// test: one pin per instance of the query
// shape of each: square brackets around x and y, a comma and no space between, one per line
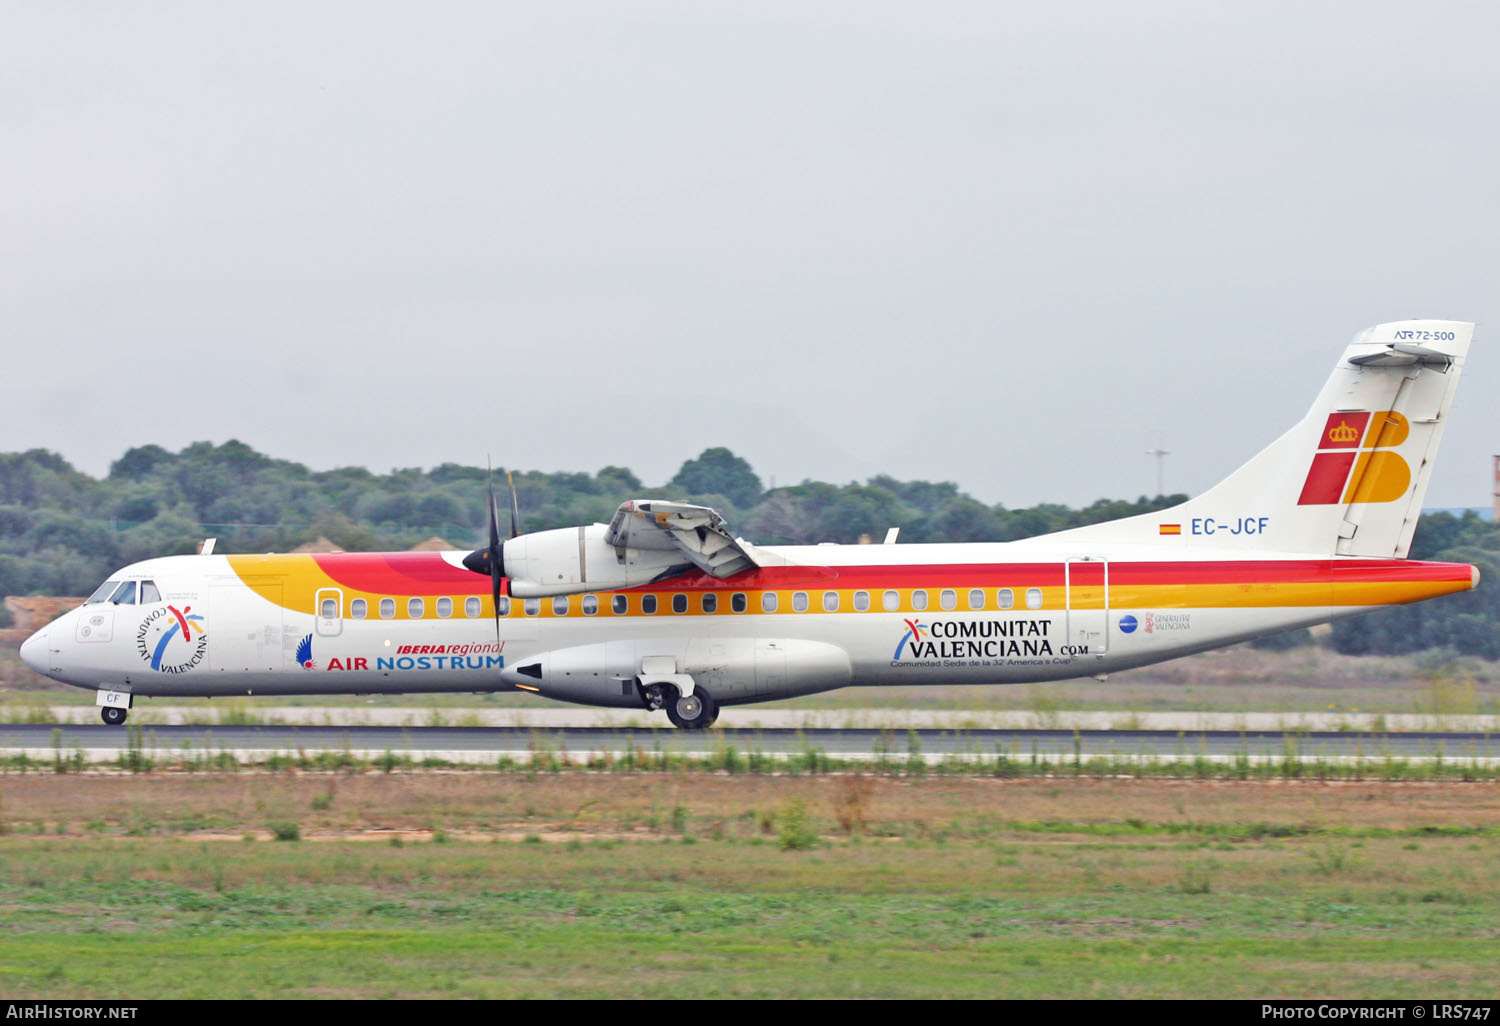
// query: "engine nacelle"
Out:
[568,560]
[732,670]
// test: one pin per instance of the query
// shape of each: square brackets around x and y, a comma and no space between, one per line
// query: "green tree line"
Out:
[63,531]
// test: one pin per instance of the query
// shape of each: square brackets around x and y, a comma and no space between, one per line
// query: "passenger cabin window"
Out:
[359,608]
[738,603]
[328,609]
[890,601]
[590,605]
[648,604]
[1033,598]
[919,599]
[532,607]
[620,604]
[948,599]
[560,606]
[710,603]
[799,601]
[149,594]
[830,602]
[1005,598]
[445,607]
[472,606]
[415,608]
[861,601]
[768,602]
[976,598]
[387,608]
[679,603]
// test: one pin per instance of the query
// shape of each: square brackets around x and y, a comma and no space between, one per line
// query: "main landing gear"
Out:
[112,715]
[693,712]
[696,711]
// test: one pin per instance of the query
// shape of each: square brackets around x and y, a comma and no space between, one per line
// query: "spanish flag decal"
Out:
[1170,529]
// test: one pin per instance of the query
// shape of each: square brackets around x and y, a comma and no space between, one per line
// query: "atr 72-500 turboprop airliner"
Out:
[662,608]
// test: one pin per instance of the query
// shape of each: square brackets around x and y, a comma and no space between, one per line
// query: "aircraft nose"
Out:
[34,652]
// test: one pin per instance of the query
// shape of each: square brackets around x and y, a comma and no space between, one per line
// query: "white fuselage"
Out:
[865,615]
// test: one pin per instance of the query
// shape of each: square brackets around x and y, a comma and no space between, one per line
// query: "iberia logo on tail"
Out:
[1353,465]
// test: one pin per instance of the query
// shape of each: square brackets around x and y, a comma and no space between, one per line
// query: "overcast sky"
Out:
[1008,245]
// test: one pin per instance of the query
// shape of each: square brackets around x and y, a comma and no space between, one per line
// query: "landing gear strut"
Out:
[112,715]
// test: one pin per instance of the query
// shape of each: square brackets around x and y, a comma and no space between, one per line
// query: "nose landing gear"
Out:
[113,705]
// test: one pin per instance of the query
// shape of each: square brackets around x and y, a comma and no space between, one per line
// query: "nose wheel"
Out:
[112,715]
[693,712]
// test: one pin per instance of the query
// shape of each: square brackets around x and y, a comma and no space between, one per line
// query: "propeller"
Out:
[491,559]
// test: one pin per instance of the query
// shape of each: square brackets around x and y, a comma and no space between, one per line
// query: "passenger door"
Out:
[1086,585]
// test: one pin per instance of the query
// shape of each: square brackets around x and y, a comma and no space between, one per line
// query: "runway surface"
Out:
[483,744]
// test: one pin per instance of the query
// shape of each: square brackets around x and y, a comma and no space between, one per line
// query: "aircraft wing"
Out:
[696,532]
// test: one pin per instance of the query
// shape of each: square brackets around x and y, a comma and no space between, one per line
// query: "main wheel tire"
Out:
[693,712]
[112,715]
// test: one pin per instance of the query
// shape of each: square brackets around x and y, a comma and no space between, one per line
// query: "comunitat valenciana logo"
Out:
[914,629]
[974,639]
[172,640]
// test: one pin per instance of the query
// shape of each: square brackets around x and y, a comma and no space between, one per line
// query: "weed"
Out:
[1196,877]
[852,804]
[796,833]
[132,757]
[1329,860]
[916,766]
[727,759]
[765,821]
[238,714]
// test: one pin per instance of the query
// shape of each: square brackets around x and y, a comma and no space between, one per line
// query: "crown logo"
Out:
[1343,433]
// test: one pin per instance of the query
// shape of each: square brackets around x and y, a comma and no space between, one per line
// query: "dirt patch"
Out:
[567,806]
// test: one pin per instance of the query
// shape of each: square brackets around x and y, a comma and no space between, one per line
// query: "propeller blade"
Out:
[494,515]
[515,507]
[496,559]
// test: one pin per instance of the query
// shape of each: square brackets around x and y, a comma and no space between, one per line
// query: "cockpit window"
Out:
[149,593]
[103,592]
[124,595]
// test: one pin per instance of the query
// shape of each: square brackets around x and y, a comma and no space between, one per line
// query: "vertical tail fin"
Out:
[1349,478]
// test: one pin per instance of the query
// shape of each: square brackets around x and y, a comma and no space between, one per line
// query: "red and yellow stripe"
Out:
[293,582]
